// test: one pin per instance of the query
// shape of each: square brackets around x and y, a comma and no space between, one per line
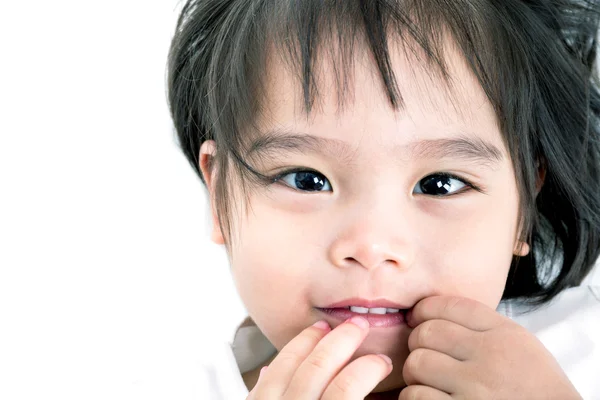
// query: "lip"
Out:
[336,316]
[356,301]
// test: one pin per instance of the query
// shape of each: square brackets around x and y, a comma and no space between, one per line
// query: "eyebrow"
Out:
[465,147]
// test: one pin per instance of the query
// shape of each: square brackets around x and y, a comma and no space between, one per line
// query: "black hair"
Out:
[534,59]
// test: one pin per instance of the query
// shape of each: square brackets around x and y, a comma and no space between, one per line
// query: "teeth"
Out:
[360,310]
[376,310]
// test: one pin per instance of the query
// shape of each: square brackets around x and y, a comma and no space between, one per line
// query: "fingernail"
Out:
[359,321]
[322,325]
[386,358]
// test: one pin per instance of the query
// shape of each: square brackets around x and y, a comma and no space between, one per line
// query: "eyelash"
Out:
[468,184]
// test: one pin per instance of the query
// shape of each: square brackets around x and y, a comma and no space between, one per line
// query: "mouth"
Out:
[376,318]
[380,313]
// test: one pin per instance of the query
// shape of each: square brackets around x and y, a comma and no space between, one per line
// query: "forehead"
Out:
[351,95]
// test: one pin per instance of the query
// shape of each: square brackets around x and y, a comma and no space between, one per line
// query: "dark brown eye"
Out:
[307,181]
[439,185]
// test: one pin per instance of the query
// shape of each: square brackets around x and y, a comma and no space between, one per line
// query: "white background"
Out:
[109,285]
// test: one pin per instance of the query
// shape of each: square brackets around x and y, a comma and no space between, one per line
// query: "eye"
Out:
[440,185]
[305,180]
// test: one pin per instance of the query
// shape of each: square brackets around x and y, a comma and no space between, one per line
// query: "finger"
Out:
[275,380]
[252,394]
[420,392]
[358,378]
[327,359]
[445,337]
[432,368]
[466,312]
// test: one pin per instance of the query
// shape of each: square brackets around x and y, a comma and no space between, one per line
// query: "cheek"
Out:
[471,255]
[270,267]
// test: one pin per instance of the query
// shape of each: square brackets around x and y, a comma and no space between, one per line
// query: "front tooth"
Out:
[360,310]
[393,310]
[375,310]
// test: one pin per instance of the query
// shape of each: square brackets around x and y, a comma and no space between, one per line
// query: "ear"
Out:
[521,249]
[208,151]
[541,175]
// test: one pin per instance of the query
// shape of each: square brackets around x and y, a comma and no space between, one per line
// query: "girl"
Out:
[408,192]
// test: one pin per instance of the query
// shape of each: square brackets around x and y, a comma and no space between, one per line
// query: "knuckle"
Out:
[289,358]
[319,360]
[478,341]
[417,358]
[424,333]
[344,384]
[313,335]
[452,303]
[298,350]
[412,365]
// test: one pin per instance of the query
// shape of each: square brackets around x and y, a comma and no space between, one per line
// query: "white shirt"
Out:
[569,327]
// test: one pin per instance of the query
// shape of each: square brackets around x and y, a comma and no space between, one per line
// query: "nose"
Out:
[376,236]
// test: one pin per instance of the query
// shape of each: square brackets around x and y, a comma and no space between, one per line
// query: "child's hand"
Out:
[308,367]
[462,349]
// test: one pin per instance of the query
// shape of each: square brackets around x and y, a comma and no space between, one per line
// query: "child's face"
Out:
[369,230]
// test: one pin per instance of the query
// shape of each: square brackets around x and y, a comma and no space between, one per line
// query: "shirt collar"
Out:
[250,346]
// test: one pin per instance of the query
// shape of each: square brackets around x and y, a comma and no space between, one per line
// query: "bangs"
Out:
[314,31]
[305,34]
[490,36]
